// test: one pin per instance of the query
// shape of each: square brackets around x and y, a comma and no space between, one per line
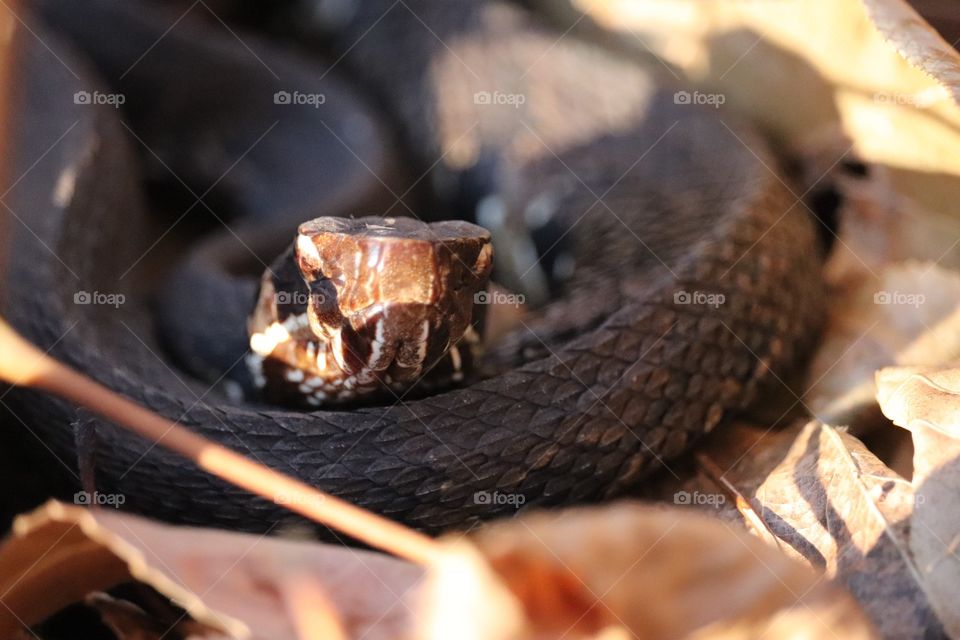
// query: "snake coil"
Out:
[686,276]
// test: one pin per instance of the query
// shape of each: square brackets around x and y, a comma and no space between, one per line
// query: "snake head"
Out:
[361,305]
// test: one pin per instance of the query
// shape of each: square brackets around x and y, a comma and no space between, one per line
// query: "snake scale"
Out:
[443,108]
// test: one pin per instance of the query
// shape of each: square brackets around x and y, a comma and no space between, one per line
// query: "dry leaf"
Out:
[660,573]
[613,572]
[927,403]
[910,315]
[831,502]
[233,582]
[879,222]
[808,70]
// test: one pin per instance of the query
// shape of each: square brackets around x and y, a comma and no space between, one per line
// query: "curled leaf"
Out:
[926,401]
[236,583]
[832,503]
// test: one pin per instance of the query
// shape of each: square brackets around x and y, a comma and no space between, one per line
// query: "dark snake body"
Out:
[659,201]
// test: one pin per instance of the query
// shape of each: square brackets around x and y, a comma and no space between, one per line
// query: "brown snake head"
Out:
[359,306]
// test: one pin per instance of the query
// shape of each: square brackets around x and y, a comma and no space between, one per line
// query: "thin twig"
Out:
[23,364]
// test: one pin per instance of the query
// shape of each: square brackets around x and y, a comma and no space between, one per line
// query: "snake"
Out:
[162,159]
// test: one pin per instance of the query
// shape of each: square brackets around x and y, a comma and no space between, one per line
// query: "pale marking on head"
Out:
[337,343]
[322,357]
[264,343]
[306,248]
[376,347]
[297,322]
[422,347]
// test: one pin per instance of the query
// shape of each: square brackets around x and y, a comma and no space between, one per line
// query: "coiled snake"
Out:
[681,273]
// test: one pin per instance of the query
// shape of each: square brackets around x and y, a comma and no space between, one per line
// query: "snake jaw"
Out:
[359,306]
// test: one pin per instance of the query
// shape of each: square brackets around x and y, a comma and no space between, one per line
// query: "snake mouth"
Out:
[358,308]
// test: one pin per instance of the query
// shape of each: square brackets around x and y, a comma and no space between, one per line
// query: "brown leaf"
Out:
[910,314]
[236,583]
[831,502]
[879,88]
[927,403]
[613,572]
[649,572]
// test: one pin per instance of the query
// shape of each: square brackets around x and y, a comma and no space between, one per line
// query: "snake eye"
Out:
[357,307]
